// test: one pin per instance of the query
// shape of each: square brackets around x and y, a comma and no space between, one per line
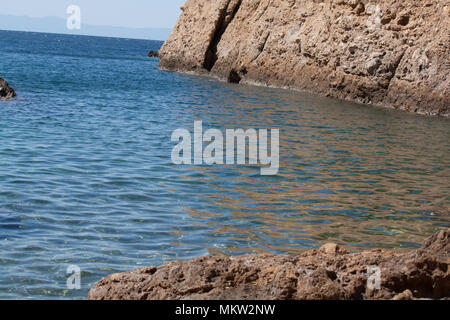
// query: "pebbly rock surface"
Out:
[330,272]
[6,92]
[385,52]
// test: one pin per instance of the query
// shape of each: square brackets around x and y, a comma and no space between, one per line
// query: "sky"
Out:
[117,13]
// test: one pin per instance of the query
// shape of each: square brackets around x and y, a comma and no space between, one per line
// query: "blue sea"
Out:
[86,176]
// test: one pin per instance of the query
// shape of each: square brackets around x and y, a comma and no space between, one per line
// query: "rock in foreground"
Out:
[386,52]
[6,92]
[327,273]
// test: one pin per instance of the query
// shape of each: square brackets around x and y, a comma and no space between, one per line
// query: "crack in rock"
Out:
[226,16]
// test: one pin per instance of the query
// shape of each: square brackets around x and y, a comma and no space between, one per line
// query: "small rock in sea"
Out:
[153,54]
[6,92]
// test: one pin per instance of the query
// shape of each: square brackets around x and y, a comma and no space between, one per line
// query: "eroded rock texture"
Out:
[385,52]
[6,92]
[327,273]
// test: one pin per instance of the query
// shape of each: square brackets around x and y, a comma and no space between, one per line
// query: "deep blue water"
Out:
[86,176]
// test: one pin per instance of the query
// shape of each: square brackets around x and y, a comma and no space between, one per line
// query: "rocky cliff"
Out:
[327,273]
[385,52]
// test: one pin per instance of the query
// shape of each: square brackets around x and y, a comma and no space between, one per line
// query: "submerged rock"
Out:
[330,272]
[387,52]
[6,92]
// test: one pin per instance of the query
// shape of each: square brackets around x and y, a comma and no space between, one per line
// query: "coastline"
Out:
[207,75]
[381,53]
[330,272]
[357,204]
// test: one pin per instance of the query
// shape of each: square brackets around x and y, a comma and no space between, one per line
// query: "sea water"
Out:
[86,177]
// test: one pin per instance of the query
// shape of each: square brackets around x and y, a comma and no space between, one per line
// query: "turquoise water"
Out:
[86,176]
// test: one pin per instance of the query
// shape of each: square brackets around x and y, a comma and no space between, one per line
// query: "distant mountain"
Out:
[58,25]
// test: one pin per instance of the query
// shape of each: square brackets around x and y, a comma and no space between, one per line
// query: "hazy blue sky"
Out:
[121,13]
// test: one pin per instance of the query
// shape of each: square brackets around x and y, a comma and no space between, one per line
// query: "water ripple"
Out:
[86,176]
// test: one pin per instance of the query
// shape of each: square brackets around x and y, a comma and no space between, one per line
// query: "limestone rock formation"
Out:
[327,273]
[6,92]
[385,52]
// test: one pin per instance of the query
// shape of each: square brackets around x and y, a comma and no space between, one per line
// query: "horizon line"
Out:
[82,35]
[87,24]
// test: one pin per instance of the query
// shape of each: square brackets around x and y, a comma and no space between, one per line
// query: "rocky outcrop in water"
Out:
[6,92]
[385,52]
[327,273]
[153,54]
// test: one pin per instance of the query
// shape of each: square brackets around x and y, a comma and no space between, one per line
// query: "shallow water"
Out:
[86,176]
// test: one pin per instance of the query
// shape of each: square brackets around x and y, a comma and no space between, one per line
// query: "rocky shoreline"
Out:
[330,272]
[382,52]
[6,92]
